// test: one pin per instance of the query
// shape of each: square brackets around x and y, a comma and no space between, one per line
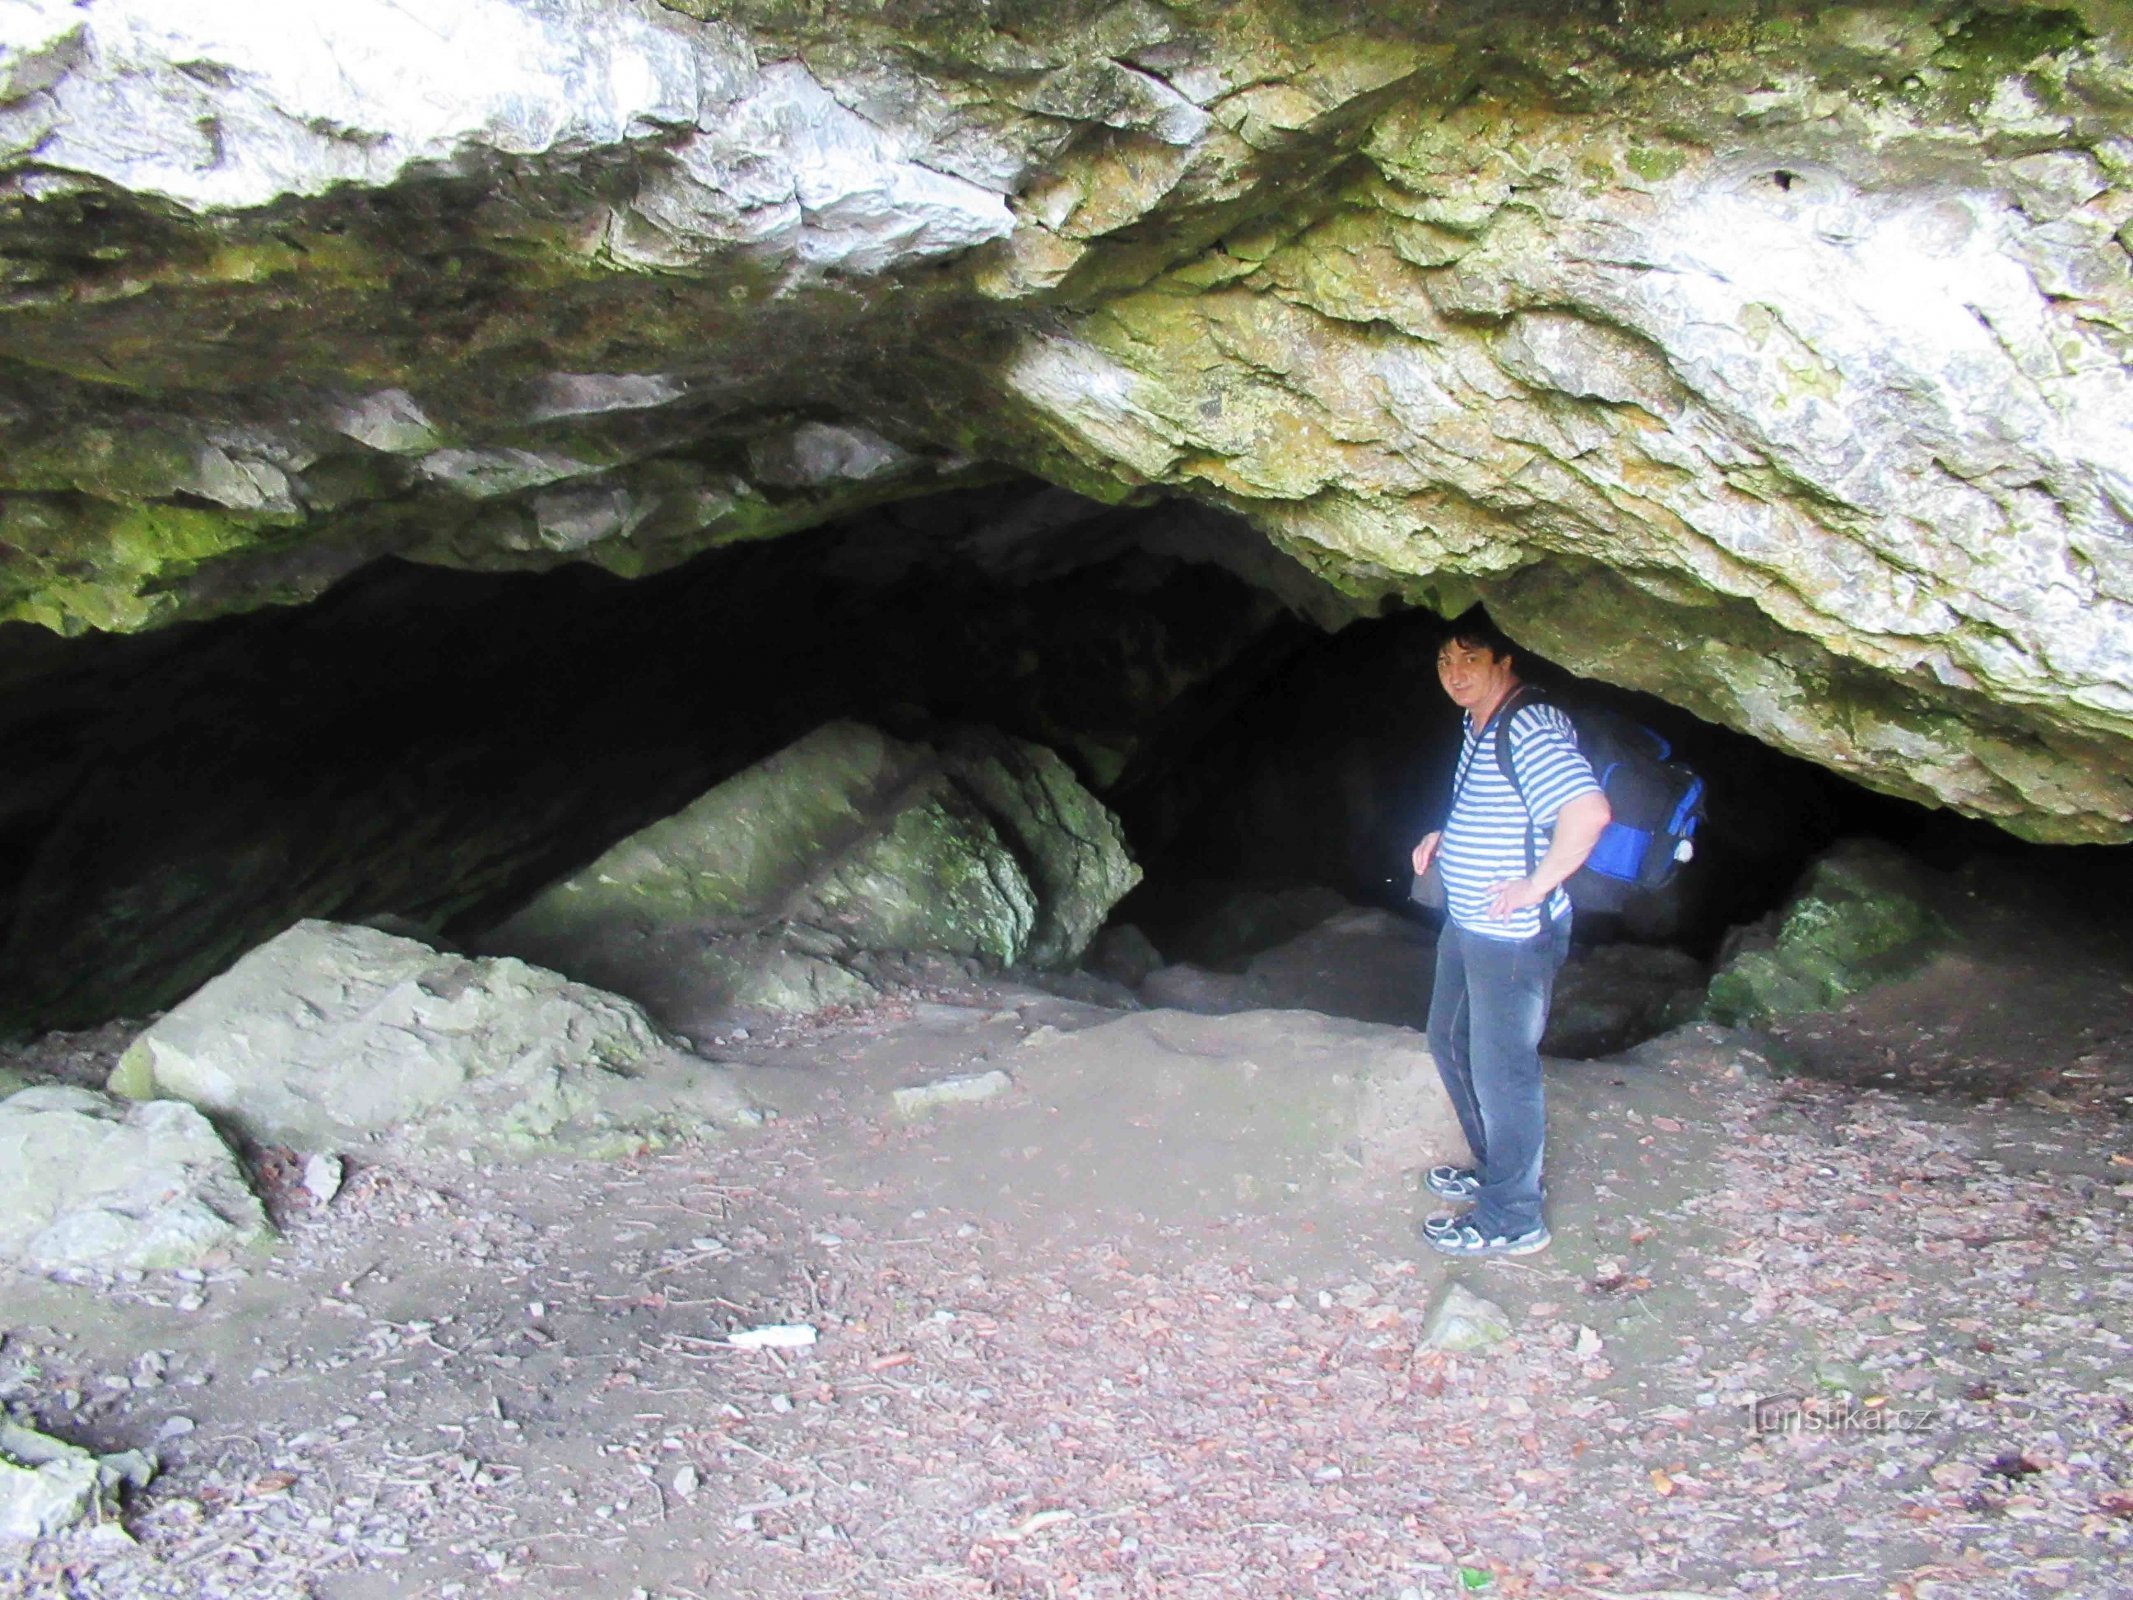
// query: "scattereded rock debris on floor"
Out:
[462,1378]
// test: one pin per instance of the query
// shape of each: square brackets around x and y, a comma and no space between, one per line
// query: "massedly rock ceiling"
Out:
[1769,358]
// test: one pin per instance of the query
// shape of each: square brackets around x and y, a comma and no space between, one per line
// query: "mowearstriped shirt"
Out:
[1484,840]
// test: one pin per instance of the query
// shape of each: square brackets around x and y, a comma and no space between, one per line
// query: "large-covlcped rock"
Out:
[329,1035]
[86,1181]
[48,1486]
[1862,915]
[779,888]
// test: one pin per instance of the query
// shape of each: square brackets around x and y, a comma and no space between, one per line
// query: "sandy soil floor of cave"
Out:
[1045,1372]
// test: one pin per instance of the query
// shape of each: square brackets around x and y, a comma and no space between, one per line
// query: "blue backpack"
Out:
[1657,803]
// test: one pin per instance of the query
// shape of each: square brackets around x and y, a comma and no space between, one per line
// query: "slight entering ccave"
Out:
[678,917]
[461,1192]
[431,746]
[424,749]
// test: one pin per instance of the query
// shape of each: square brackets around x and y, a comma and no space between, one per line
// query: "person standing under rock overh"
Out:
[1507,844]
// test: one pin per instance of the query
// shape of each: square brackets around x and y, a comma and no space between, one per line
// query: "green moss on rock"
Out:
[1068,845]
[771,888]
[73,564]
[1987,47]
[1862,916]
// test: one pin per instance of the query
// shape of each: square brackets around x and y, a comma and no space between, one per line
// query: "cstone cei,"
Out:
[1774,365]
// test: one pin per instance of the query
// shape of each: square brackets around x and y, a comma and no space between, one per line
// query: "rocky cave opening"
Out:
[425,748]
[904,543]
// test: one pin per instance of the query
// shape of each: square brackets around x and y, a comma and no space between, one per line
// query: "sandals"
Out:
[1458,1237]
[1453,1183]
[1453,1233]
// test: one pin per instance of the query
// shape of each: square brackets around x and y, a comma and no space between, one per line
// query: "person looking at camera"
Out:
[1507,844]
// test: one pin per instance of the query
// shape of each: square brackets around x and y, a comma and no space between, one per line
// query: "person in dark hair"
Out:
[1475,629]
[1503,853]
